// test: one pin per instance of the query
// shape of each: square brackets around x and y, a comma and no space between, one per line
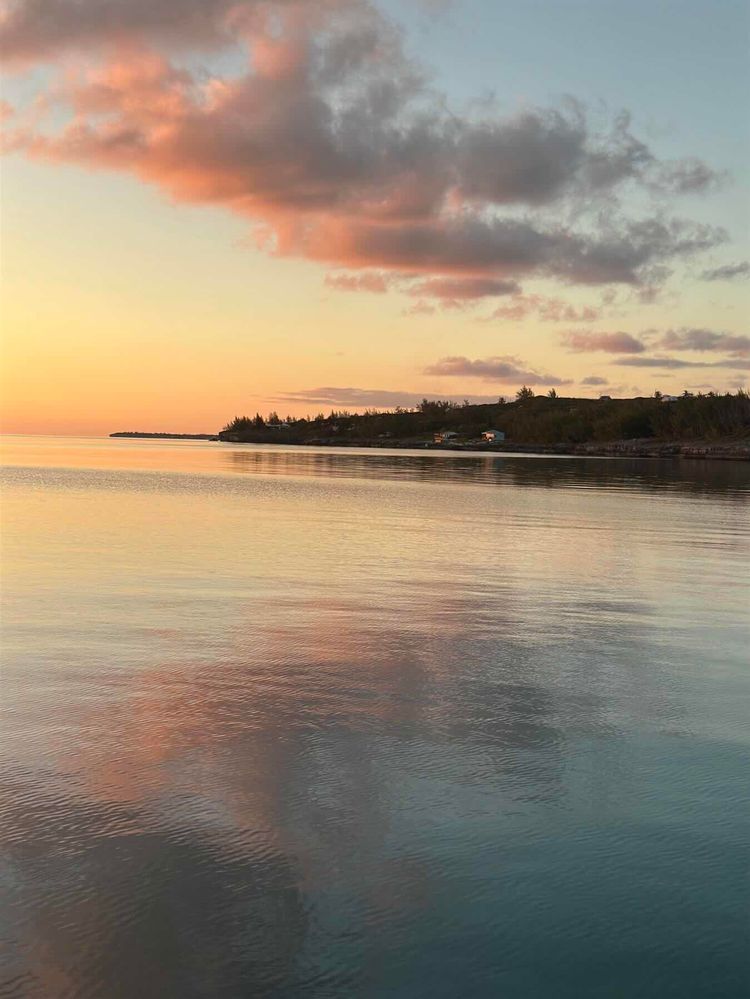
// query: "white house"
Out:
[493,436]
[444,436]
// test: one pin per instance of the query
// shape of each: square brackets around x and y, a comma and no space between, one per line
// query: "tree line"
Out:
[528,418]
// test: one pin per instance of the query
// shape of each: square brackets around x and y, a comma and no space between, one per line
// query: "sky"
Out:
[215,207]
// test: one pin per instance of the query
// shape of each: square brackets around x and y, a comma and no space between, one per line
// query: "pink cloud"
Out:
[334,148]
[41,30]
[507,370]
[373,282]
[612,343]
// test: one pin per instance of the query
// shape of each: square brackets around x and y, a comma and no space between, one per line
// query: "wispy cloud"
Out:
[667,363]
[420,308]
[506,370]
[554,310]
[594,380]
[727,272]
[463,288]
[369,281]
[688,176]
[364,398]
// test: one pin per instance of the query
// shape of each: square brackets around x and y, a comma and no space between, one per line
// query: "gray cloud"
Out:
[706,340]
[494,158]
[612,343]
[463,288]
[594,380]
[664,363]
[508,370]
[667,363]
[633,253]
[688,176]
[728,272]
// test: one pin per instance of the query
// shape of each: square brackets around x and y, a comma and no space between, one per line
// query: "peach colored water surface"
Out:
[327,722]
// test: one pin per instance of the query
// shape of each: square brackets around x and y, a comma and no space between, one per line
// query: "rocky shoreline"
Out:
[713,450]
[720,450]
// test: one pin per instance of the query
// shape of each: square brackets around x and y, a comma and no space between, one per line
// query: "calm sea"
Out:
[334,723]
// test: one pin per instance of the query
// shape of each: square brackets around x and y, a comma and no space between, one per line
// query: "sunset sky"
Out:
[213,207]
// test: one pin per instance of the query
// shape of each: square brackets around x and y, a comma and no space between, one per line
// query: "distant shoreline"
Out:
[162,436]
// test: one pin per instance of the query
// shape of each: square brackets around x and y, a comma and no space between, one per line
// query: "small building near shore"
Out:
[445,436]
[493,436]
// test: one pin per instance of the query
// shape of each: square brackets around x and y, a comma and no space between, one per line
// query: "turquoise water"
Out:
[310,722]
